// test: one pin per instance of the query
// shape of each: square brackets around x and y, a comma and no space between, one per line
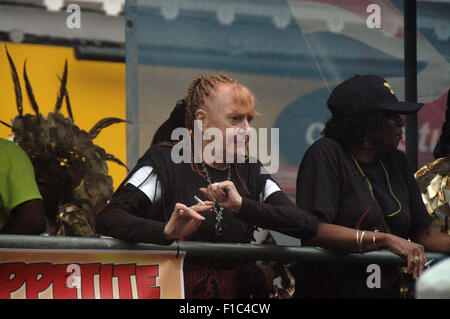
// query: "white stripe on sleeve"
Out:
[270,188]
[146,181]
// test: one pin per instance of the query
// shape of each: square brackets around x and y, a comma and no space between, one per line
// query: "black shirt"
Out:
[131,216]
[330,186]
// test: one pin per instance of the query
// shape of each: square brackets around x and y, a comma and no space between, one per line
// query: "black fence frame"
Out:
[254,252]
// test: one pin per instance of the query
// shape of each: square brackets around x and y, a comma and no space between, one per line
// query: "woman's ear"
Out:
[200,117]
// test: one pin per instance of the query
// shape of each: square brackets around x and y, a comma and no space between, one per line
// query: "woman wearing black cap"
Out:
[355,177]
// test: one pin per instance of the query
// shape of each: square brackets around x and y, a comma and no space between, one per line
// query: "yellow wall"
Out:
[96,90]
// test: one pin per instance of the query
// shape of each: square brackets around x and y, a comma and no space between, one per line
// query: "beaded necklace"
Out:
[369,186]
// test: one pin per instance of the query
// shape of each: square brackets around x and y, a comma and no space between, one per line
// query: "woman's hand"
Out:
[415,253]
[224,194]
[185,220]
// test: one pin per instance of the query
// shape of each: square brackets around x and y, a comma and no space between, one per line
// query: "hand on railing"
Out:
[413,252]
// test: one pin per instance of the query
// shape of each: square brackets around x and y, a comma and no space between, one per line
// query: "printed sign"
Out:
[90,274]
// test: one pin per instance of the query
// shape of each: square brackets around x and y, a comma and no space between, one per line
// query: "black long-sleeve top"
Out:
[141,207]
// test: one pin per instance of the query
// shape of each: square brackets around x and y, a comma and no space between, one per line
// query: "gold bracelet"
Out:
[375,238]
[357,240]
[362,235]
[374,242]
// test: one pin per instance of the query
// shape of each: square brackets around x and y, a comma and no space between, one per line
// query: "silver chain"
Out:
[217,212]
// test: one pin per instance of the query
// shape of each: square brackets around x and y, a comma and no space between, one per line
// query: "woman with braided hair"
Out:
[156,202]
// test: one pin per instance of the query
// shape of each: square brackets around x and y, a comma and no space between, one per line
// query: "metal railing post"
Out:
[410,55]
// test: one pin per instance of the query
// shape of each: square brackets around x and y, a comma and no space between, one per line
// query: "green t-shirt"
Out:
[17,181]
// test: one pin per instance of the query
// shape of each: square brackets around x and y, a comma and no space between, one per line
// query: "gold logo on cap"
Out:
[389,87]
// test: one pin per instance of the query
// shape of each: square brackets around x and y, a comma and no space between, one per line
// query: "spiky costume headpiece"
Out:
[69,167]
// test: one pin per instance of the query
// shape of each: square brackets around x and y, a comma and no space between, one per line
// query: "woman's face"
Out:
[390,137]
[221,112]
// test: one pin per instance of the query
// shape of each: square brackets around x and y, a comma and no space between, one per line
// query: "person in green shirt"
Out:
[21,208]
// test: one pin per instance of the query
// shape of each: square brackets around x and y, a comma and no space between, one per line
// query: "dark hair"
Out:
[358,128]
[176,119]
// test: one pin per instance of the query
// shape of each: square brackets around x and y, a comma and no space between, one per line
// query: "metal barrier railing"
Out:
[213,250]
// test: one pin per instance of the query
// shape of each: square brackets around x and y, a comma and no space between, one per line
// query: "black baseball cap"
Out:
[366,94]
